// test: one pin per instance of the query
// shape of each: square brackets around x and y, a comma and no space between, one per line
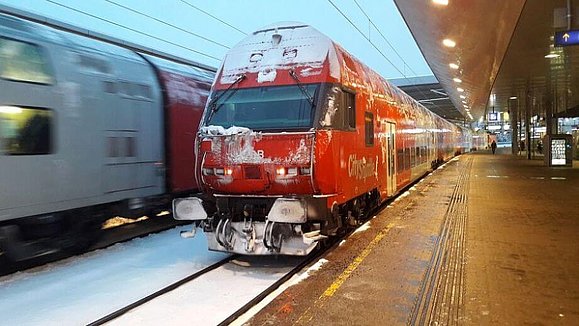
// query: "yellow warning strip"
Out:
[307,316]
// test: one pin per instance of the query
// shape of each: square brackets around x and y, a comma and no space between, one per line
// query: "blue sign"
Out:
[567,38]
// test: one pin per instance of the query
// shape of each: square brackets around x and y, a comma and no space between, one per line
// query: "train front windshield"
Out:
[264,108]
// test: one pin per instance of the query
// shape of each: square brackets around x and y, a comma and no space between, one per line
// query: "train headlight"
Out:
[288,210]
[208,171]
[219,171]
[283,171]
[189,209]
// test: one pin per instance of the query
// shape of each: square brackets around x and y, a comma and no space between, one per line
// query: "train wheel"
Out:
[83,230]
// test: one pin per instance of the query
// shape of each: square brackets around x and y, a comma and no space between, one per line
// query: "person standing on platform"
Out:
[494,146]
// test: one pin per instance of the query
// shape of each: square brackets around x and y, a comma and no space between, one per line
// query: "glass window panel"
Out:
[25,62]
[25,131]
[264,108]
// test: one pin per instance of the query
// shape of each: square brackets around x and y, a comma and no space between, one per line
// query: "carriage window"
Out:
[24,62]
[350,105]
[25,131]
[264,108]
[369,128]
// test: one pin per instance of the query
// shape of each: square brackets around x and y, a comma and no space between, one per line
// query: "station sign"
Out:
[493,116]
[566,38]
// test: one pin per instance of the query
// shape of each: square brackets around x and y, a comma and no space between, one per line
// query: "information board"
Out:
[558,152]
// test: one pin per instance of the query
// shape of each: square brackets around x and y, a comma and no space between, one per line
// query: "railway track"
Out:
[109,237]
[236,310]
[162,291]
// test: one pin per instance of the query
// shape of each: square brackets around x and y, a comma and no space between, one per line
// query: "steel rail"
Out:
[161,292]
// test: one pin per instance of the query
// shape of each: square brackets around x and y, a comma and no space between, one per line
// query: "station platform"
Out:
[484,240]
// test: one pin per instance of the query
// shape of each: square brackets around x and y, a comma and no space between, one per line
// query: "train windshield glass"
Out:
[264,108]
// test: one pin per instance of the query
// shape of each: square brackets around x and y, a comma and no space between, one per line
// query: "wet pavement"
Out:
[487,239]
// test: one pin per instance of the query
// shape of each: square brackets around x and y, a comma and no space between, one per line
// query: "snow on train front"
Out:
[256,145]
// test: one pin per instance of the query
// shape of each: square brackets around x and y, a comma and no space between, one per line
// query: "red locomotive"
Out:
[299,139]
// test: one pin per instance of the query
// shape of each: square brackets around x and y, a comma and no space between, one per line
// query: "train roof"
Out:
[314,57]
[183,69]
[299,46]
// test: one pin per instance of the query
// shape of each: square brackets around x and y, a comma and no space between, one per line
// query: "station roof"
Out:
[500,51]
[428,91]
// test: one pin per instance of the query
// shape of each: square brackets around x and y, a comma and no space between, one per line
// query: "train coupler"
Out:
[250,235]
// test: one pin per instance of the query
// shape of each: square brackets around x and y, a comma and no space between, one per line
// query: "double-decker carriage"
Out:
[299,140]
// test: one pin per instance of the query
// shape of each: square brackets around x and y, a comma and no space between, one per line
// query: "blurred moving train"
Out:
[300,139]
[88,130]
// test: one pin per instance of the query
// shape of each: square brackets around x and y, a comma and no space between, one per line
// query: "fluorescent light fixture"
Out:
[460,89]
[449,43]
[552,55]
[512,98]
[453,66]
[462,97]
[458,80]
[440,2]
[466,106]
[463,101]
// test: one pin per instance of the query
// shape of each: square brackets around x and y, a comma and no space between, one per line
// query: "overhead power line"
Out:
[366,37]
[133,30]
[212,16]
[375,47]
[165,23]
[384,37]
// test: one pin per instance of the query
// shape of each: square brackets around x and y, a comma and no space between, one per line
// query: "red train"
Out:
[300,139]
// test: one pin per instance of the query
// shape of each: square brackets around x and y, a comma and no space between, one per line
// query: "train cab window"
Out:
[369,128]
[25,62]
[350,105]
[25,131]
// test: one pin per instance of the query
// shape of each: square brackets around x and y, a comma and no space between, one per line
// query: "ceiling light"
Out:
[458,80]
[465,106]
[449,43]
[512,98]
[462,97]
[440,2]
[464,102]
[453,65]
[460,89]
[552,55]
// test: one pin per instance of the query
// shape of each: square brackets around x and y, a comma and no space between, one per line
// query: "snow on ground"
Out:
[292,281]
[213,297]
[363,227]
[82,289]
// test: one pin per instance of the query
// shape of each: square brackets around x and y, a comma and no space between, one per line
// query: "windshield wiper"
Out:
[213,103]
[302,88]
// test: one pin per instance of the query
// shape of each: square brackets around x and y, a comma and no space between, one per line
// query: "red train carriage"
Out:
[300,139]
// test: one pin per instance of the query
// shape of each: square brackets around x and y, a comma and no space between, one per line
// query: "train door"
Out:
[391,175]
